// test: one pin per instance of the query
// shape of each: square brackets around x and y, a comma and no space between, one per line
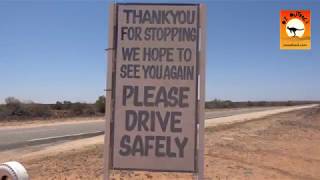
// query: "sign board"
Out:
[155,87]
[295,29]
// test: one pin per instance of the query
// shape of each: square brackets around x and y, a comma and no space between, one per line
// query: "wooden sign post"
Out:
[155,88]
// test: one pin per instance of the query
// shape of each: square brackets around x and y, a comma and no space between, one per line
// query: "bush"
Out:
[38,110]
[14,107]
[216,103]
[58,105]
[289,103]
[90,111]
[12,101]
[77,108]
[3,112]
[262,103]
[101,104]
[67,104]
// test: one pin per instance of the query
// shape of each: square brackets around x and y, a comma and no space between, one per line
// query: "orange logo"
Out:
[295,29]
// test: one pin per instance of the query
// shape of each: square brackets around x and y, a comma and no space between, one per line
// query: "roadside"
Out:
[282,146]
[25,136]
[212,113]
[42,122]
[12,123]
[253,115]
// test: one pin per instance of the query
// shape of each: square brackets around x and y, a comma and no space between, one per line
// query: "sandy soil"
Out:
[284,146]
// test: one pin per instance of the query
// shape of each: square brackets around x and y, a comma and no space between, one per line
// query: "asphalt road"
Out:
[13,138]
[21,137]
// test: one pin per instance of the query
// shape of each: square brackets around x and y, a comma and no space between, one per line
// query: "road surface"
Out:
[11,138]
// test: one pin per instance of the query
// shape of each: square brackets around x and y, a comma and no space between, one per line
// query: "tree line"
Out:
[16,109]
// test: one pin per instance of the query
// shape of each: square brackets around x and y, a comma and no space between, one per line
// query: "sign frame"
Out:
[199,87]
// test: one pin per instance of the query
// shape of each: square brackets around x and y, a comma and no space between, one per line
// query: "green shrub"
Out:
[101,104]
[58,105]
[38,110]
[67,104]
[14,107]
[216,103]
[77,108]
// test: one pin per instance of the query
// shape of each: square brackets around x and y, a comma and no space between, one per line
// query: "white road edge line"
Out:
[66,136]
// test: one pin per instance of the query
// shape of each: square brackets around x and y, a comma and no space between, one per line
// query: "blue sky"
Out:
[54,50]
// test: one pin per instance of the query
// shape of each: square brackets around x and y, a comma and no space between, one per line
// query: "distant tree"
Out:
[78,108]
[12,101]
[67,104]
[101,104]
[58,105]
[15,107]
[289,103]
[38,110]
[227,104]
[249,103]
[261,103]
[90,110]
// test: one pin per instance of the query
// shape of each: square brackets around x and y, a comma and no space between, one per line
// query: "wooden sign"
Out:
[157,88]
